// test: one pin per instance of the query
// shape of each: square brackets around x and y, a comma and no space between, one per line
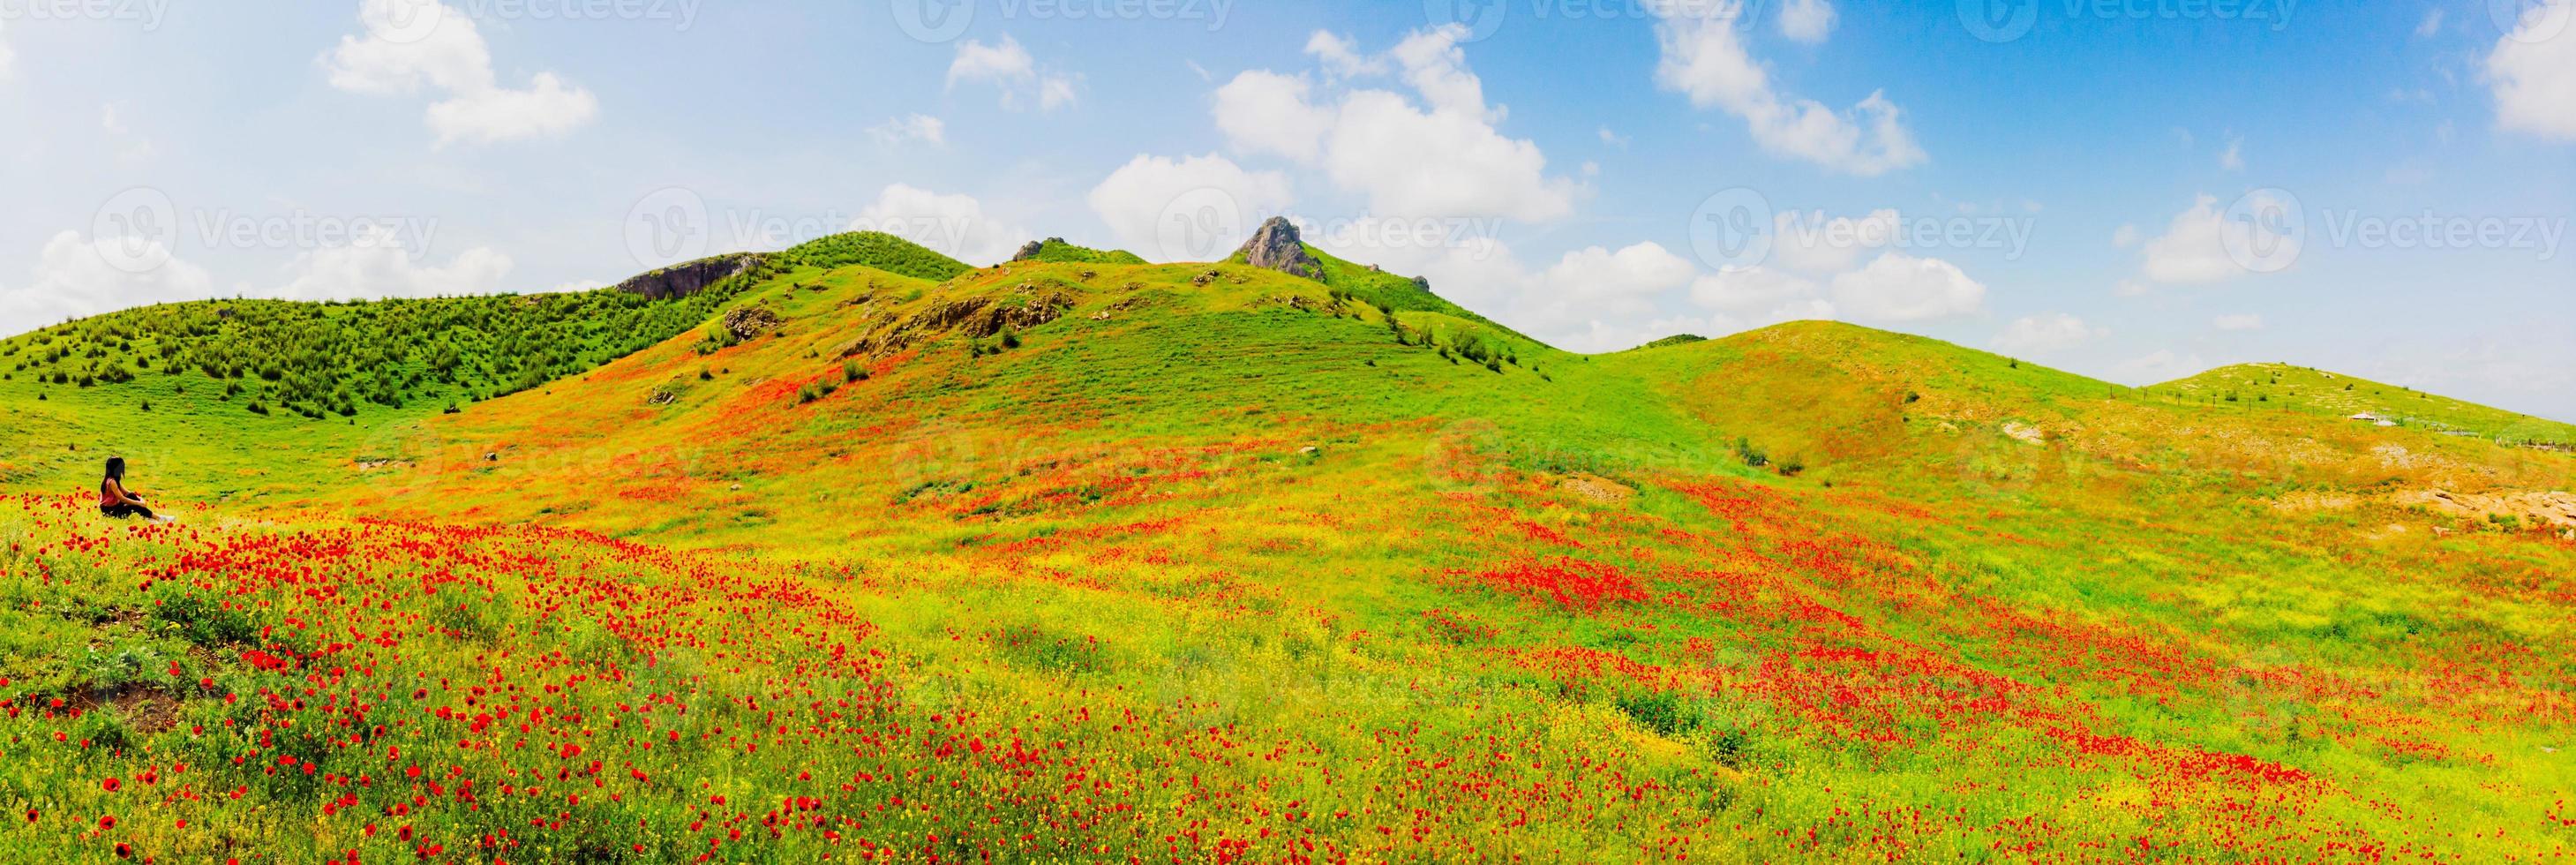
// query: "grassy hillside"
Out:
[879,250]
[1091,562]
[1054,250]
[2293,387]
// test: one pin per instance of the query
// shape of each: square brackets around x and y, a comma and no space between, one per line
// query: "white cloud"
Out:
[548,108]
[2195,247]
[1637,270]
[1613,139]
[1808,21]
[73,277]
[1437,68]
[376,265]
[2432,24]
[977,61]
[1441,158]
[955,225]
[2158,367]
[1439,164]
[2233,158]
[2046,333]
[2246,321]
[2533,72]
[1897,287]
[1811,243]
[1265,112]
[2192,248]
[1009,67]
[2126,236]
[1704,59]
[1753,290]
[1341,56]
[1137,200]
[411,45]
[917,127]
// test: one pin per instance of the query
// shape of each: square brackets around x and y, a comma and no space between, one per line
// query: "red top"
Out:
[107,493]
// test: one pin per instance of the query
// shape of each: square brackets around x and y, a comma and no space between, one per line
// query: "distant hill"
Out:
[1055,250]
[2287,386]
[874,249]
[195,383]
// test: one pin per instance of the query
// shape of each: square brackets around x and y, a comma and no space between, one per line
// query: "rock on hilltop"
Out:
[1276,247]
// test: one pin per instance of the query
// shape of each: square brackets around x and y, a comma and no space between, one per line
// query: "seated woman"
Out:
[116,501]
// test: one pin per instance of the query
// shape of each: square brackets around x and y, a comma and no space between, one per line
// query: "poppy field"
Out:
[1084,560]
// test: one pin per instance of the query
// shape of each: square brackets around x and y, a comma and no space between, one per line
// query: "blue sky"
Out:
[2134,189]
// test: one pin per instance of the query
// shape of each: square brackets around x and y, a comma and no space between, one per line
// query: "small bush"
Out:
[1751,455]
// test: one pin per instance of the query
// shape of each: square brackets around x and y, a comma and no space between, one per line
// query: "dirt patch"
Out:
[2542,509]
[1596,489]
[2551,509]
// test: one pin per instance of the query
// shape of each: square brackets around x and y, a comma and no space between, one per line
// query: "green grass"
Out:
[1054,250]
[882,251]
[2301,388]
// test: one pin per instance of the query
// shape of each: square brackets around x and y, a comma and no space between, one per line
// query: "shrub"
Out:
[1664,712]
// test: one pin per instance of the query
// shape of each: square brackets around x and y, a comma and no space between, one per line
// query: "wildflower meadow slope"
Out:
[1085,559]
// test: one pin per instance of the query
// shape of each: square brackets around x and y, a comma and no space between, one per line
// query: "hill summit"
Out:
[1276,246]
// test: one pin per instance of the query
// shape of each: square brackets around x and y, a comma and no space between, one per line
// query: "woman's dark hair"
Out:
[116,469]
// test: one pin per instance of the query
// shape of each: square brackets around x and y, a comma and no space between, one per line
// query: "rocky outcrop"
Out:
[682,280]
[751,321]
[1032,248]
[1276,247]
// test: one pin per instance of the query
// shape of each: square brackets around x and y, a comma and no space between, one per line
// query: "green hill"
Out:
[1086,561]
[2293,387]
[1054,250]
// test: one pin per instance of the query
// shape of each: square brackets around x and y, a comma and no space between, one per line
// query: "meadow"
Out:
[882,556]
